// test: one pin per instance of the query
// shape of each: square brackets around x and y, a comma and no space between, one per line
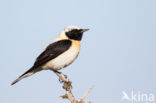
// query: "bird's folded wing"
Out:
[52,51]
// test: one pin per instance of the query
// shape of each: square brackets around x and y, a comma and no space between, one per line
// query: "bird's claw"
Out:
[60,80]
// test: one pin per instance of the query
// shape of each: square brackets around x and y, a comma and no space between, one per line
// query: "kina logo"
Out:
[138,96]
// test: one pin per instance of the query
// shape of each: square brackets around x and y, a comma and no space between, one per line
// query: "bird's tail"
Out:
[30,72]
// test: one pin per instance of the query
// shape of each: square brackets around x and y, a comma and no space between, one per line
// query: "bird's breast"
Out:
[65,58]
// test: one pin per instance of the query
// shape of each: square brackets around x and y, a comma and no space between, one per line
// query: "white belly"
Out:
[62,60]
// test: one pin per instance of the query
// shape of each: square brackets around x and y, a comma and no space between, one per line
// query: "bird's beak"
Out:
[84,30]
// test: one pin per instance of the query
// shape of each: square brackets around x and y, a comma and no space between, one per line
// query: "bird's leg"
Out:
[58,72]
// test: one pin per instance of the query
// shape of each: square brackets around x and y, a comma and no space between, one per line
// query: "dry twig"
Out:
[67,86]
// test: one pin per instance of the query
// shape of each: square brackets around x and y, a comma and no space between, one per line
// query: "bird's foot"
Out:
[60,80]
[62,77]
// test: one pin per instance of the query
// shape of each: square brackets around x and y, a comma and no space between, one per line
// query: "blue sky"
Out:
[117,54]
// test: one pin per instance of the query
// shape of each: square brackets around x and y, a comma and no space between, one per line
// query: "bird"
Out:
[58,54]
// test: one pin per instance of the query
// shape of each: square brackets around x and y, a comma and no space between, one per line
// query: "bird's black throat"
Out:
[75,34]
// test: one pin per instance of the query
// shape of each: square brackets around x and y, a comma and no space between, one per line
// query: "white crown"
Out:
[69,28]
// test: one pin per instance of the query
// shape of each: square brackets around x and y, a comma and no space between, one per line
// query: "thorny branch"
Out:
[67,86]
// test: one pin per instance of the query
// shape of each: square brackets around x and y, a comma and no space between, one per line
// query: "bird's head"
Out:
[74,32]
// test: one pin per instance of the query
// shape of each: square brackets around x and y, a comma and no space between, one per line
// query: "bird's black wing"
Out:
[52,51]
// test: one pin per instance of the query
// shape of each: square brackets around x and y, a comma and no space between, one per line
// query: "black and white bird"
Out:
[59,54]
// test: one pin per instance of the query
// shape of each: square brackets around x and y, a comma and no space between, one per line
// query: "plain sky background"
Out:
[117,54]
